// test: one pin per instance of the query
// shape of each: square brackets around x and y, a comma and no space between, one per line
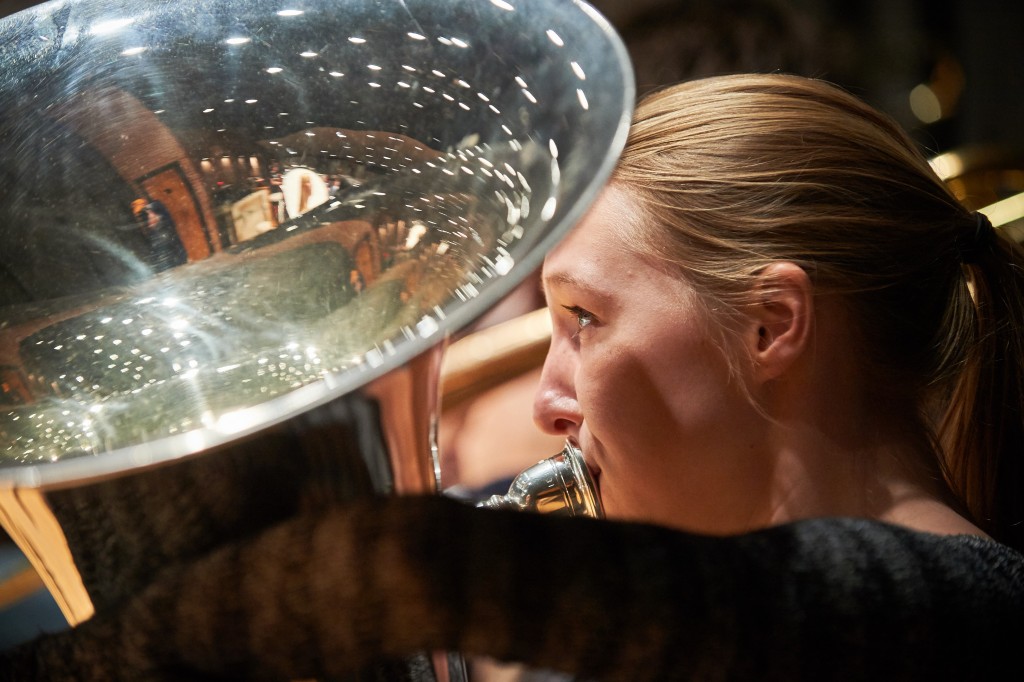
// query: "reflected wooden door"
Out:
[169,186]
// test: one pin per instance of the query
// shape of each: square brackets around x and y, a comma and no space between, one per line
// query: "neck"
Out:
[840,447]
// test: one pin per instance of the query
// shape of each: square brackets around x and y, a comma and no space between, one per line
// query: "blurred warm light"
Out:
[925,104]
[1005,211]
[948,165]
[938,97]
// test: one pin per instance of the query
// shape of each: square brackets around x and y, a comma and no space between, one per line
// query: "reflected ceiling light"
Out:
[229,100]
[251,101]
[107,27]
[501,4]
[206,111]
[290,13]
[555,38]
[578,70]
[548,212]
[357,41]
[238,40]
[274,69]
[133,51]
[416,36]
[337,74]
[307,54]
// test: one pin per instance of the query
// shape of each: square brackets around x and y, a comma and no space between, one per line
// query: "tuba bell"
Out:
[236,238]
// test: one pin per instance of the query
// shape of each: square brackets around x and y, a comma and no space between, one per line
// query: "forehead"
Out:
[596,243]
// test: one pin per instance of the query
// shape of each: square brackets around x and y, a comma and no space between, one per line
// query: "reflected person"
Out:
[165,247]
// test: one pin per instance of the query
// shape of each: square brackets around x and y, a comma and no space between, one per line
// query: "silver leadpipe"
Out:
[561,484]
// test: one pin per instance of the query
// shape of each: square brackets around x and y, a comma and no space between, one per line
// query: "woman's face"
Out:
[635,376]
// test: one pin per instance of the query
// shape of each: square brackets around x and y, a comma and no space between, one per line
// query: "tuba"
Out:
[236,237]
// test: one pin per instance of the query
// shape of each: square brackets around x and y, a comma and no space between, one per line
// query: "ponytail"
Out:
[982,431]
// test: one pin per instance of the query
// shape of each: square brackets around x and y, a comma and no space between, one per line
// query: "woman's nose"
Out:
[555,409]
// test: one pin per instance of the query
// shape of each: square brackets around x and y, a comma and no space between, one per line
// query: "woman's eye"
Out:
[584,318]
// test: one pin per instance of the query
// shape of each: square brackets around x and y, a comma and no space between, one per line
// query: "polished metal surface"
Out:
[561,485]
[235,236]
[219,214]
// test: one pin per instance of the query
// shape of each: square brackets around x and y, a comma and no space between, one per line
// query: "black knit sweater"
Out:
[328,594]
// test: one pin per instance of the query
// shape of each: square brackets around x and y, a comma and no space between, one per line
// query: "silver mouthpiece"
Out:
[558,485]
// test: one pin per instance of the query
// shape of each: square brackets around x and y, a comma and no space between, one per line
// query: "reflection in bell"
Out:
[289,359]
[558,485]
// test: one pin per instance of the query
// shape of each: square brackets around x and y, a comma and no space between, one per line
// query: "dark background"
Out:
[968,52]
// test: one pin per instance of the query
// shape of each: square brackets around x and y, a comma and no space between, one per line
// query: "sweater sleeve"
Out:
[324,596]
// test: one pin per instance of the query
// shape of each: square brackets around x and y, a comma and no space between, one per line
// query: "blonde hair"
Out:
[736,172]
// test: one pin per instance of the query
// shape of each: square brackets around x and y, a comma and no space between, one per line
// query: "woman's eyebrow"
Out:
[568,280]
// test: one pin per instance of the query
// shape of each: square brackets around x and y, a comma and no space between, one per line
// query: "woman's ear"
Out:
[780,321]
